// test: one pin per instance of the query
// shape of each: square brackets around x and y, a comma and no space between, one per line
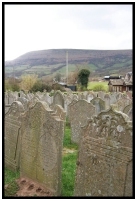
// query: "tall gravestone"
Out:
[41,156]
[104,164]
[99,104]
[58,98]
[79,112]
[13,135]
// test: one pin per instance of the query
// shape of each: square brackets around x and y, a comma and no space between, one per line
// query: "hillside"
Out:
[45,62]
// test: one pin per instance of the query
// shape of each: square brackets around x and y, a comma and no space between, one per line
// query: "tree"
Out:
[27,81]
[83,76]
[58,77]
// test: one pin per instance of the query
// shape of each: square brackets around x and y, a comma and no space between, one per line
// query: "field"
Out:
[69,157]
[91,85]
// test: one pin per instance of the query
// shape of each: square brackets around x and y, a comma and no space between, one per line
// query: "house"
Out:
[120,85]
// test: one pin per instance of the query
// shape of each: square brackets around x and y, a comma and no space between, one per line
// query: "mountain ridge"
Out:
[101,59]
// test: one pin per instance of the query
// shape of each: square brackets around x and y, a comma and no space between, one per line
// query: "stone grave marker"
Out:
[24,102]
[42,139]
[128,110]
[104,164]
[101,94]
[12,136]
[58,98]
[122,103]
[99,104]
[107,101]
[113,99]
[79,112]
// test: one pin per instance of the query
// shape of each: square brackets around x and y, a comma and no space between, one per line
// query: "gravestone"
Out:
[78,114]
[7,107]
[59,112]
[11,97]
[122,103]
[128,110]
[41,156]
[6,99]
[107,101]
[75,96]
[24,102]
[113,99]
[90,96]
[101,94]
[129,94]
[98,103]
[32,102]
[13,135]
[69,108]
[104,164]
[58,98]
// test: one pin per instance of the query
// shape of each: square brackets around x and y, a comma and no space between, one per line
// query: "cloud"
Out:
[35,27]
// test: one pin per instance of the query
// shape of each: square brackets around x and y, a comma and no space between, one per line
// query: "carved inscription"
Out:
[105,157]
[12,135]
[42,146]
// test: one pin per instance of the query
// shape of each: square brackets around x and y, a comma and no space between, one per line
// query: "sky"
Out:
[40,27]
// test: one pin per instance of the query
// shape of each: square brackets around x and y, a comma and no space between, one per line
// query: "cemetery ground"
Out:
[68,171]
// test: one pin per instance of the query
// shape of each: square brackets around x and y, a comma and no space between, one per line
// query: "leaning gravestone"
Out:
[58,98]
[104,164]
[99,104]
[79,113]
[41,156]
[13,135]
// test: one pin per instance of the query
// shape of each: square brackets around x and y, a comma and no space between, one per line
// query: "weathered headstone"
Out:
[128,110]
[90,96]
[99,104]
[79,113]
[104,164]
[24,102]
[13,135]
[7,107]
[122,103]
[113,99]
[107,101]
[58,98]
[59,112]
[101,94]
[41,156]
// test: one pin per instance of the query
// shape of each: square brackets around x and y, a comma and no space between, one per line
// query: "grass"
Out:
[10,183]
[68,174]
[68,169]
[91,85]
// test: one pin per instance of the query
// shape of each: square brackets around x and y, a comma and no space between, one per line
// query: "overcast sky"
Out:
[39,27]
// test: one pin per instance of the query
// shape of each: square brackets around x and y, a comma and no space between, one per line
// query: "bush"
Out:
[39,86]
